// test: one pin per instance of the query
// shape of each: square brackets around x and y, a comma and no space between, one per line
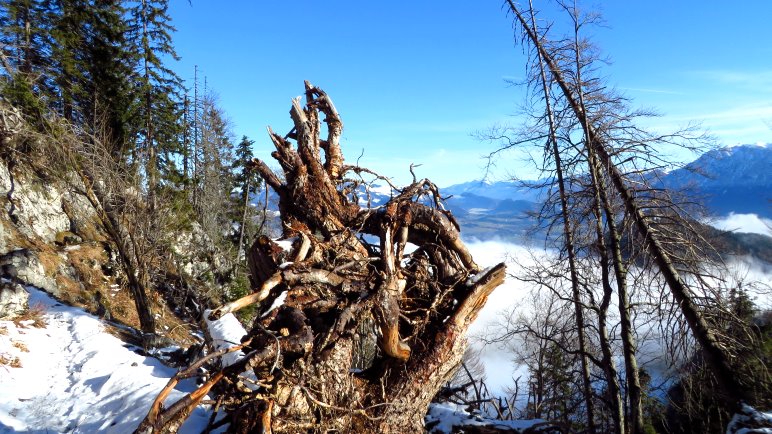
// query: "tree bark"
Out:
[614,395]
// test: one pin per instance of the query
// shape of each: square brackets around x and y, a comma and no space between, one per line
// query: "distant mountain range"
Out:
[732,179]
[728,180]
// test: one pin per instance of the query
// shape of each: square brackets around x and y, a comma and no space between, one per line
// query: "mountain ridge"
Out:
[716,173]
[728,180]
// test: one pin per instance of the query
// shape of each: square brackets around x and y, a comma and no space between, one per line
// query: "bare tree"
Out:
[608,144]
[114,193]
[568,238]
[541,336]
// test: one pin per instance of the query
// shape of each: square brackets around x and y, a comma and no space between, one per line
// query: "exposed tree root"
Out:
[377,303]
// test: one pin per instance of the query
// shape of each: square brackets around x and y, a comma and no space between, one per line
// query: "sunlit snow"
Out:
[75,377]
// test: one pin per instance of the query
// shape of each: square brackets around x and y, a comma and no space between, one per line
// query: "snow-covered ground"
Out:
[76,378]
[442,418]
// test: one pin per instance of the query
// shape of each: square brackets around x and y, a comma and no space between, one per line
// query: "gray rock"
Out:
[14,299]
[29,270]
[37,207]
[5,178]
[5,233]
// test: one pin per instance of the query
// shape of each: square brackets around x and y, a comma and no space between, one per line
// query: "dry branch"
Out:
[368,333]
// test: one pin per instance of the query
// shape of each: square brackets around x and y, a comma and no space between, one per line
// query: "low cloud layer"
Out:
[751,223]
[500,368]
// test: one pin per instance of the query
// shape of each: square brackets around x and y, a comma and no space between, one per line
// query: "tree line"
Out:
[106,70]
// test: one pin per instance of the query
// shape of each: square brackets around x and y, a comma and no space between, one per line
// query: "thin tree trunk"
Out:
[186,143]
[243,219]
[634,393]
[569,245]
[635,418]
[195,137]
[150,148]
[615,399]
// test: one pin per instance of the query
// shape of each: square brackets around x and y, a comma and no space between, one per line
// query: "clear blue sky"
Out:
[414,79]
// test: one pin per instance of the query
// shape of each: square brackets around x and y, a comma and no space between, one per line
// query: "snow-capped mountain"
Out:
[732,180]
[728,166]
[729,180]
[494,190]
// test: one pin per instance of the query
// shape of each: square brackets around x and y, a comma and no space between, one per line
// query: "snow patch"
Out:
[475,278]
[750,420]
[285,245]
[226,332]
[443,418]
[276,303]
[75,377]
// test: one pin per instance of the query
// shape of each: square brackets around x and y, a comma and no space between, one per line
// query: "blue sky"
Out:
[414,80]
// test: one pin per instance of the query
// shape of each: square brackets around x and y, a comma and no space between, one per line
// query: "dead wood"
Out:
[378,299]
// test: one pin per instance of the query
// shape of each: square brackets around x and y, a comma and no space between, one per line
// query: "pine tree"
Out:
[107,101]
[247,182]
[68,32]
[214,183]
[158,92]
[25,36]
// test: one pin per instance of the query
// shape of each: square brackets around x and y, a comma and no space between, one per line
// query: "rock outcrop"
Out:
[29,270]
[13,299]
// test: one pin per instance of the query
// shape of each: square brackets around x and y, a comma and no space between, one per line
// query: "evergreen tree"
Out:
[247,183]
[20,37]
[25,37]
[214,184]
[158,91]
[107,100]
[70,56]
[68,61]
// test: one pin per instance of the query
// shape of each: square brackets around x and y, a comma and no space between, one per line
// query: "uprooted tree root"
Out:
[369,330]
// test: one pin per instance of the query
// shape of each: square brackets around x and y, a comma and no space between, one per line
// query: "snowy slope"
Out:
[76,378]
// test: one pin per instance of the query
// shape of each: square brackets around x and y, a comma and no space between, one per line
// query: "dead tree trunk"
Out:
[348,268]
[568,243]
[715,355]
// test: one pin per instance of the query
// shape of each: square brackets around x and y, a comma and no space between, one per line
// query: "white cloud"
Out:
[651,90]
[500,367]
[751,223]
[759,81]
